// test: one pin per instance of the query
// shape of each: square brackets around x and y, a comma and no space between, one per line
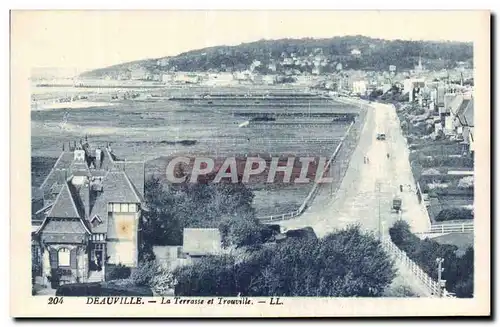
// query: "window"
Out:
[63,257]
[116,207]
[96,220]
[132,207]
[124,207]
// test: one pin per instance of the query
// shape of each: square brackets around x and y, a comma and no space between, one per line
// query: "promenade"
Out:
[367,189]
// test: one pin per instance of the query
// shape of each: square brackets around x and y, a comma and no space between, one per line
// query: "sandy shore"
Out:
[71,105]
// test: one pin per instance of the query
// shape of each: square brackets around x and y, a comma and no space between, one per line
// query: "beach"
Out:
[158,129]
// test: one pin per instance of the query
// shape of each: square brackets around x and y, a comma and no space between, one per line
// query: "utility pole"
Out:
[441,283]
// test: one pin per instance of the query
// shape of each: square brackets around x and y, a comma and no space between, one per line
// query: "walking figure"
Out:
[401,188]
[364,159]
[388,155]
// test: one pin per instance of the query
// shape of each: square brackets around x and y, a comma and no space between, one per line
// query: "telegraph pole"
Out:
[441,282]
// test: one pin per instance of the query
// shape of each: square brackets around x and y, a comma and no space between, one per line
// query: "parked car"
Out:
[381,136]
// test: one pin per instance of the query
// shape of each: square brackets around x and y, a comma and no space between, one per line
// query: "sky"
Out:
[92,39]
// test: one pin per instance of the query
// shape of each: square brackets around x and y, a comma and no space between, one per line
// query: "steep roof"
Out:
[469,114]
[119,188]
[455,103]
[70,226]
[201,241]
[116,188]
[64,205]
[58,172]
[121,182]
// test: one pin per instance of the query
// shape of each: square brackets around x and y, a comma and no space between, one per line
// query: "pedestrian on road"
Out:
[388,155]
[364,159]
[401,188]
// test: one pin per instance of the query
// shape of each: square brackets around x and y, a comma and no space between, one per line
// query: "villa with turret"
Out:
[91,215]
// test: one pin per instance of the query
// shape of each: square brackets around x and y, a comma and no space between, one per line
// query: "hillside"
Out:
[302,55]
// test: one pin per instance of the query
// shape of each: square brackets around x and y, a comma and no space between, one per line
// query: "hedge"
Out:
[454,214]
[118,271]
[458,271]
[98,289]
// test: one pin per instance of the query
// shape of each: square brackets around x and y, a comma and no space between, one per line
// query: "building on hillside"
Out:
[91,217]
[162,62]
[185,78]
[220,79]
[359,87]
[167,78]
[287,61]
[257,79]
[355,52]
[268,79]
[139,74]
[412,86]
[465,126]
[419,69]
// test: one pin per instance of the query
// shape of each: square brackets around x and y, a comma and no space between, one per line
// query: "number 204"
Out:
[55,300]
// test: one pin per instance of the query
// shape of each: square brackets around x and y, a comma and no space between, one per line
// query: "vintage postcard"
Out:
[250,163]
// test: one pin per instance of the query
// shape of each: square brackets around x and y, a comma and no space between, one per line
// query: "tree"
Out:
[376,55]
[458,270]
[346,263]
[173,207]
[211,276]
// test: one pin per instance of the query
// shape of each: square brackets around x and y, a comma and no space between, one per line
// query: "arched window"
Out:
[63,257]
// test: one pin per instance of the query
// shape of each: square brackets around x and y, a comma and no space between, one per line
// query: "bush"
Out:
[144,273]
[454,214]
[55,277]
[162,282]
[118,271]
[345,263]
[458,271]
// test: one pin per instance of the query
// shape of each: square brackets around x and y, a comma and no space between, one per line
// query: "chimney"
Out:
[86,197]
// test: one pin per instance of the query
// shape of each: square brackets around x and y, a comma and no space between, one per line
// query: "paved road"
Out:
[367,190]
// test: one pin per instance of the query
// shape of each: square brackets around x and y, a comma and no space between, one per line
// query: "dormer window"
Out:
[96,220]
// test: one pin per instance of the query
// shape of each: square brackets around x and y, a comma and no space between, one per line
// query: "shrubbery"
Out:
[118,271]
[454,214]
[144,273]
[342,264]
[173,207]
[152,275]
[458,271]
[445,161]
